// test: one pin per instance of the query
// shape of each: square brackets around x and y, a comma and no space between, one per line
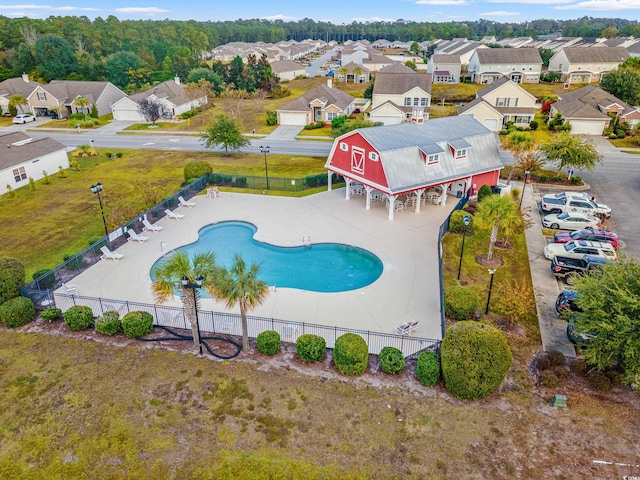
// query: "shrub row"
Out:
[133,324]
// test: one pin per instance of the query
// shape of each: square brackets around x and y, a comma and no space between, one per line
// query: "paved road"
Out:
[317,64]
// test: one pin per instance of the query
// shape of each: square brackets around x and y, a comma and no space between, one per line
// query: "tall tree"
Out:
[624,84]
[54,57]
[169,275]
[150,109]
[82,102]
[518,143]
[17,102]
[571,151]
[240,285]
[497,212]
[119,65]
[226,132]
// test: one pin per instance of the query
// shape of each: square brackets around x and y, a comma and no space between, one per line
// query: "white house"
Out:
[586,64]
[23,158]
[287,70]
[522,65]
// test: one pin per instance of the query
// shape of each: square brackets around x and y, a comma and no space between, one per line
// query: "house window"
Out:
[42,96]
[407,101]
[373,156]
[433,158]
[501,102]
[19,174]
[416,101]
[461,153]
[331,116]
[344,147]
[423,102]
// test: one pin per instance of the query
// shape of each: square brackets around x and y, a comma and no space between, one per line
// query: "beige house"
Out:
[444,68]
[500,102]
[586,64]
[16,86]
[287,70]
[353,72]
[521,65]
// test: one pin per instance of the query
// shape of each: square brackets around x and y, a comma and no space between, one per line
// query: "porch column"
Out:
[329,175]
[419,198]
[368,190]
[347,194]
[443,197]
[392,200]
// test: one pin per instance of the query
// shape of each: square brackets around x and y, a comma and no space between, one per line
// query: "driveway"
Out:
[284,132]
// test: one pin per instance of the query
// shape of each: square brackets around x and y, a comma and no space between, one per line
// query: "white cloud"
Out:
[499,13]
[279,16]
[45,8]
[603,5]
[528,2]
[373,19]
[142,10]
[442,2]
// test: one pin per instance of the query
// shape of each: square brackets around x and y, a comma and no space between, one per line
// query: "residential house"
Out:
[634,49]
[586,65]
[500,102]
[515,42]
[60,98]
[21,86]
[400,94]
[24,158]
[587,109]
[170,95]
[444,68]
[522,65]
[449,155]
[287,70]
[322,103]
[353,73]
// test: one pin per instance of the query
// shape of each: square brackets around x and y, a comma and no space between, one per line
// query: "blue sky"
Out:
[332,10]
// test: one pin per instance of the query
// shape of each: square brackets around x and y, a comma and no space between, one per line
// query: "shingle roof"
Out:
[508,55]
[584,103]
[445,58]
[328,96]
[14,152]
[389,83]
[17,86]
[71,89]
[600,54]
[281,66]
[169,90]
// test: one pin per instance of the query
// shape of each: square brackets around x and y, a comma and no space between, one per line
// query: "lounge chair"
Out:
[407,327]
[213,192]
[106,253]
[149,226]
[134,236]
[70,289]
[184,203]
[174,215]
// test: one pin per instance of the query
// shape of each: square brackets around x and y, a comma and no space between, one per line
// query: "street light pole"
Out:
[526,177]
[96,189]
[193,286]
[466,220]
[265,150]
[491,272]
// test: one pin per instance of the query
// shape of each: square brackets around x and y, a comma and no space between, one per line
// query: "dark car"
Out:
[568,268]
[566,302]
[577,336]
[592,234]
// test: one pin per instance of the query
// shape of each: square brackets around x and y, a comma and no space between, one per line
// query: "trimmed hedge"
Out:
[460,303]
[11,278]
[17,312]
[51,314]
[48,279]
[109,323]
[310,348]
[484,192]
[475,359]
[391,360]
[350,354]
[268,342]
[79,317]
[196,169]
[136,324]
[428,368]
[456,222]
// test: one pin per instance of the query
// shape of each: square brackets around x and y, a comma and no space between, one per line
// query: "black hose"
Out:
[179,337]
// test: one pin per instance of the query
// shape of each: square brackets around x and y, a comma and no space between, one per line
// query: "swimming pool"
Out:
[319,267]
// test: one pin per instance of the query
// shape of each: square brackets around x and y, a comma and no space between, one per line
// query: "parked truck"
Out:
[560,203]
[568,268]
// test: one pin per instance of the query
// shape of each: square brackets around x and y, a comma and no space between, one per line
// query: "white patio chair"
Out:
[174,215]
[106,253]
[290,330]
[70,289]
[184,203]
[149,227]
[133,236]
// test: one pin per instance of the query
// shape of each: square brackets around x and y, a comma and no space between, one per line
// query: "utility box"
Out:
[559,401]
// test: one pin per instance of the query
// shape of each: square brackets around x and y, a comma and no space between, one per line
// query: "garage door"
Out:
[127,115]
[387,119]
[293,119]
[491,124]
[587,128]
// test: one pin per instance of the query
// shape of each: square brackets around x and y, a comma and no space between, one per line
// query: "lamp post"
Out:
[193,286]
[491,272]
[526,177]
[466,220]
[96,189]
[265,150]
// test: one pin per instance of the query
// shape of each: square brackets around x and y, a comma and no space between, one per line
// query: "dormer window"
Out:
[462,153]
[373,156]
[431,153]
[459,148]
[433,158]
[344,147]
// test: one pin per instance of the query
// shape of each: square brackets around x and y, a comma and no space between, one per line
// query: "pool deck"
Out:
[407,246]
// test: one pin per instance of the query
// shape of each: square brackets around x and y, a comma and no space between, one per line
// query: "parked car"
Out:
[602,209]
[566,302]
[24,118]
[577,336]
[558,204]
[568,268]
[570,221]
[579,248]
[592,234]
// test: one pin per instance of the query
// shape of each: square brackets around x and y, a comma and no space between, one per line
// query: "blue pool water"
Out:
[320,267]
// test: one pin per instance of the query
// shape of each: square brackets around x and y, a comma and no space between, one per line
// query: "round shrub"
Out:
[136,324]
[484,192]
[555,358]
[310,348]
[51,314]
[475,359]
[48,279]
[109,323]
[196,169]
[578,366]
[599,381]
[460,303]
[17,312]
[549,379]
[456,222]
[268,342]
[560,371]
[11,278]
[428,368]
[350,354]
[542,362]
[533,124]
[391,360]
[79,317]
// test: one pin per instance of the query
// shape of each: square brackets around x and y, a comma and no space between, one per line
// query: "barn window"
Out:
[344,147]
[373,156]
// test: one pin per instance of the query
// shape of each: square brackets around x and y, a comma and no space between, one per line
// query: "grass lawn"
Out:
[459,92]
[627,142]
[316,132]
[438,111]
[5,121]
[39,226]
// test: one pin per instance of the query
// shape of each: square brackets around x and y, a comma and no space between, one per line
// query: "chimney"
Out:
[177,80]
[25,77]
[329,82]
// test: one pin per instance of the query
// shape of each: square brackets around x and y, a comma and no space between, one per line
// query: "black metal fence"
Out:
[230,324]
[274,183]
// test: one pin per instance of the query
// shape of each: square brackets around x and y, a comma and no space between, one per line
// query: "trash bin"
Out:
[459,194]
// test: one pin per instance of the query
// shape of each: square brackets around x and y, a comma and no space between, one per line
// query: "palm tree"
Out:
[82,102]
[499,212]
[357,71]
[239,285]
[518,143]
[344,71]
[17,101]
[169,275]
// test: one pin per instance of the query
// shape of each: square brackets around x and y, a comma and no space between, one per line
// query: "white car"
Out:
[570,221]
[580,248]
[601,210]
[24,118]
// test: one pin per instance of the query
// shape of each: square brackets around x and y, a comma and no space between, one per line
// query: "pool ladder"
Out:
[306,241]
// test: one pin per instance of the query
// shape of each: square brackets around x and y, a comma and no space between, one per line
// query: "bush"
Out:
[613,136]
[560,371]
[504,132]
[272,118]
[188,114]
[310,348]
[515,193]
[196,169]
[311,180]
[555,358]
[51,314]
[17,312]
[109,323]
[543,178]
[136,324]
[484,192]
[391,360]
[241,182]
[533,124]
[542,362]
[456,222]
[268,342]
[621,135]
[76,116]
[576,180]
[48,279]
[350,354]
[578,366]
[428,368]
[11,278]
[78,317]
[475,359]
[549,379]
[460,303]
[599,381]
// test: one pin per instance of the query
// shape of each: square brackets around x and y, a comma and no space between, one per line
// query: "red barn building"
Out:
[425,161]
